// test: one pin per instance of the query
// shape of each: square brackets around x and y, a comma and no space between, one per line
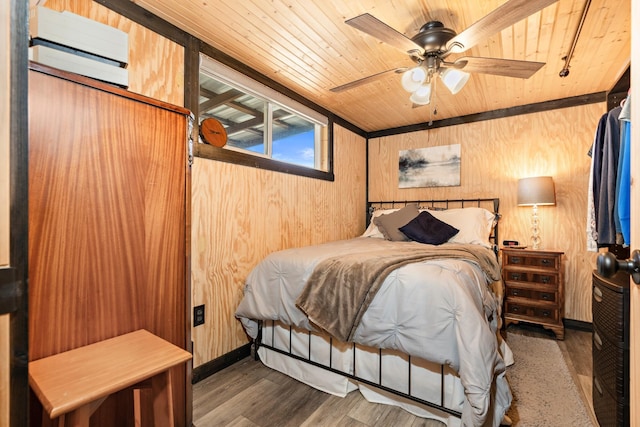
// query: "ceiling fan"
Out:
[432,45]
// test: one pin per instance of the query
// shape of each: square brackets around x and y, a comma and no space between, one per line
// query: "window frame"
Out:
[235,78]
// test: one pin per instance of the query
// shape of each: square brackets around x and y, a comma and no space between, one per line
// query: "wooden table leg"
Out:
[80,417]
[48,422]
[162,399]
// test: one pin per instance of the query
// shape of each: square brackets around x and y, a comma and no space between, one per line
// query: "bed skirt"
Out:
[425,389]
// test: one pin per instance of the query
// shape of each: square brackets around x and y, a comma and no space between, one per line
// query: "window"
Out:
[260,121]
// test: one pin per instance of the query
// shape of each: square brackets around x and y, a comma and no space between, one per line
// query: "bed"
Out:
[410,319]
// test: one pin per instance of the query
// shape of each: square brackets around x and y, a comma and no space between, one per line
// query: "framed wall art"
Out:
[430,167]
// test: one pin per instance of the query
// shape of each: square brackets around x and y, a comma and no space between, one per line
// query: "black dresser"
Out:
[610,309]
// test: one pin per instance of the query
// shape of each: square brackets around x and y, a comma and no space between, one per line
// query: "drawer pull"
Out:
[515,309]
[596,383]
[545,296]
[515,260]
[546,313]
[597,341]
[597,294]
[545,279]
[515,276]
[515,292]
[545,261]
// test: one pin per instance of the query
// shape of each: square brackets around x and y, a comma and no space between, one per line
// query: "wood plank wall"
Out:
[240,214]
[495,154]
[156,64]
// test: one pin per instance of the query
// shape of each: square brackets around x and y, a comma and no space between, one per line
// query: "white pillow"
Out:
[475,224]
[372,230]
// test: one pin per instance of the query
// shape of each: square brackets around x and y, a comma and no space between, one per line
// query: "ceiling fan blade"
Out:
[504,16]
[378,29]
[368,79]
[498,67]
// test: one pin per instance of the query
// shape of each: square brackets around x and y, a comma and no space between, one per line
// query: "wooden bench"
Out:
[73,384]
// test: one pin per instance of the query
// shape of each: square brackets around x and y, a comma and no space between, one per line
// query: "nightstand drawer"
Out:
[526,259]
[531,294]
[531,276]
[546,314]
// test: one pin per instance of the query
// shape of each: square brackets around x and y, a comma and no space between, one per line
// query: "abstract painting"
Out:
[430,167]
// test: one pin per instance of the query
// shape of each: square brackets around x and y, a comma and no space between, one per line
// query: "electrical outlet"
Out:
[198,315]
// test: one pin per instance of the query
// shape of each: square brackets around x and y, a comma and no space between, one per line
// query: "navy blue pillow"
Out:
[425,228]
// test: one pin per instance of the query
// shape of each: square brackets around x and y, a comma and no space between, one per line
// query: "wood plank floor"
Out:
[242,394]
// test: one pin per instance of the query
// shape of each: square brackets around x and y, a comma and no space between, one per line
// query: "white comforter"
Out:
[436,310]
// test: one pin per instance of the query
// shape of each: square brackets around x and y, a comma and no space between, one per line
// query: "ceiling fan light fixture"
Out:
[413,78]
[422,95]
[454,79]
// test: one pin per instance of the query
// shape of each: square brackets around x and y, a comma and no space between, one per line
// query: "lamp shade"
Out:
[412,79]
[454,79]
[538,190]
[422,95]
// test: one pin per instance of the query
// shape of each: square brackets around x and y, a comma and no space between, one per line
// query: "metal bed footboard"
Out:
[354,376]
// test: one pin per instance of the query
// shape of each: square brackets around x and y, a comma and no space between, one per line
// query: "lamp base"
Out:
[535,230]
[535,243]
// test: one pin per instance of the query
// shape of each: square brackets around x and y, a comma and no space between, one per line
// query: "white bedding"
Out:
[436,310]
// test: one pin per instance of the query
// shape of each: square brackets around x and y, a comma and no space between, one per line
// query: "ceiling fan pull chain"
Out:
[433,112]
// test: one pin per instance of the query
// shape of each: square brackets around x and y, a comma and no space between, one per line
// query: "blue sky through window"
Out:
[297,149]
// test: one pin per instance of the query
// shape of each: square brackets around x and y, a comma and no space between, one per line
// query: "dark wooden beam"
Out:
[207,151]
[495,114]
[143,17]
[620,90]
[17,41]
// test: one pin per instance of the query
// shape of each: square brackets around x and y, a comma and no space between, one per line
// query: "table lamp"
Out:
[536,191]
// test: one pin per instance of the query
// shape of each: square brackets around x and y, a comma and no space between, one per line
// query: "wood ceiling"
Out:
[306,46]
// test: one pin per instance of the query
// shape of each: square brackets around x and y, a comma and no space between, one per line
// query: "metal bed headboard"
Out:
[491,204]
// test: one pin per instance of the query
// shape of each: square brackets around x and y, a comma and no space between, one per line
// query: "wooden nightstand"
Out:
[534,288]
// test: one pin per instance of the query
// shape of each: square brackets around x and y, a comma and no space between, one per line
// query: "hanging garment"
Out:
[595,152]
[596,161]
[623,198]
[609,172]
[592,232]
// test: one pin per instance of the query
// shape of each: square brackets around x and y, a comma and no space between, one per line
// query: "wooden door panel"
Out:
[107,225]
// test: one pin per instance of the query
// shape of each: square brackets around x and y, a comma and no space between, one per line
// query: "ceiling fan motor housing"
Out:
[433,37]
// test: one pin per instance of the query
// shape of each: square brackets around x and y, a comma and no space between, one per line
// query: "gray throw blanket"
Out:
[340,289]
